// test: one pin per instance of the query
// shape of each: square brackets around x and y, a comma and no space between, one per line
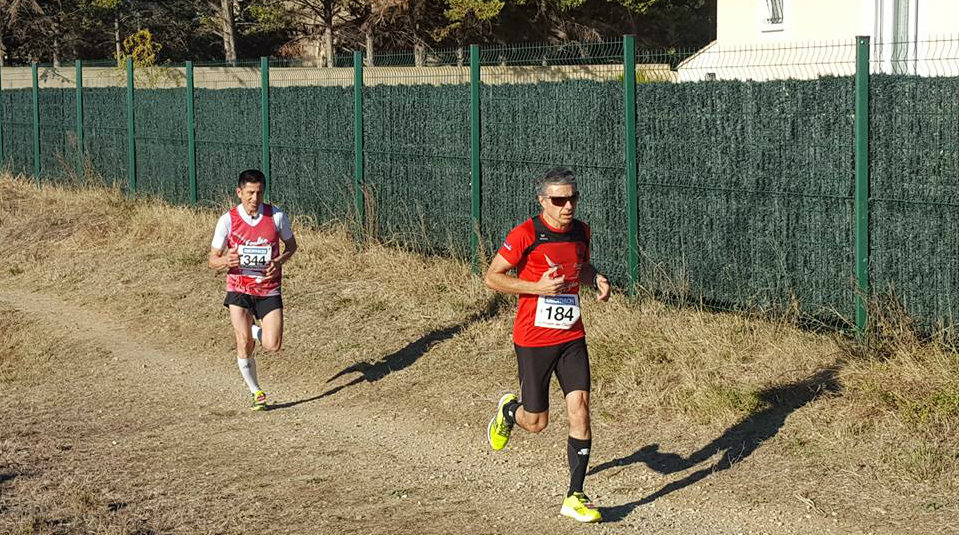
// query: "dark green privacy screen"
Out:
[417,164]
[914,146]
[745,191]
[17,130]
[105,133]
[227,140]
[58,139]
[311,151]
[528,128]
[161,143]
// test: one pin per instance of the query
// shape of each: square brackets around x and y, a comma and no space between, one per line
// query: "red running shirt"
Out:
[533,247]
[264,232]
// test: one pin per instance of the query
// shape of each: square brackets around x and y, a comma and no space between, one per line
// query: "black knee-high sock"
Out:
[577,452]
[509,411]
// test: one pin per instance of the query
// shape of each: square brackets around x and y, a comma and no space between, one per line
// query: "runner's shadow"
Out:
[736,443]
[403,358]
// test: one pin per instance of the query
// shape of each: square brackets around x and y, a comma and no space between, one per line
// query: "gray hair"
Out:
[557,176]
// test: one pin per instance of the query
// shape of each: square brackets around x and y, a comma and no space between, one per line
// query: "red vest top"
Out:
[249,281]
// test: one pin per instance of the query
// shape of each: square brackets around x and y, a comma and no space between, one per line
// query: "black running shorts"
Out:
[570,362]
[259,306]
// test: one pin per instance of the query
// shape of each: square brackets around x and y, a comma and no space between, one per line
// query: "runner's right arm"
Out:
[217,259]
[497,278]
[220,261]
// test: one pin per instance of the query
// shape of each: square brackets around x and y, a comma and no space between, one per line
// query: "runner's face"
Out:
[559,204]
[251,195]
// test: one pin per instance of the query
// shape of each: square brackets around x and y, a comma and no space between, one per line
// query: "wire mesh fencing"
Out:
[417,149]
[743,159]
[105,129]
[228,126]
[745,187]
[16,104]
[545,106]
[914,177]
[311,140]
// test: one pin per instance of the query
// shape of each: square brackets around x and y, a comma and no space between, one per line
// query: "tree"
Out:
[408,23]
[469,19]
[224,11]
[204,29]
[20,22]
[322,22]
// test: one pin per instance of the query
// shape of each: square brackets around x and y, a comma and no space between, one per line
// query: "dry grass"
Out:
[865,426]
[48,499]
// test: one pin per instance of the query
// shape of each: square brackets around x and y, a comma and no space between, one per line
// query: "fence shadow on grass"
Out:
[736,443]
[403,358]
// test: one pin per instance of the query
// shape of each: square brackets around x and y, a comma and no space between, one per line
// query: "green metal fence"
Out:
[821,175]
[745,189]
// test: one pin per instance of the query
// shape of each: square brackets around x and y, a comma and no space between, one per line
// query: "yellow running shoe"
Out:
[578,507]
[259,401]
[499,429]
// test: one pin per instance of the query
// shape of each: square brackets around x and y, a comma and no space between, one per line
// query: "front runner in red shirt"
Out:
[247,244]
[550,254]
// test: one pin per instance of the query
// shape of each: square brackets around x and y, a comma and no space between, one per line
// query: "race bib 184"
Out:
[557,311]
[255,257]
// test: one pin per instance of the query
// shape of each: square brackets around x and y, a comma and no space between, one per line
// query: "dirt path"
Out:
[138,438]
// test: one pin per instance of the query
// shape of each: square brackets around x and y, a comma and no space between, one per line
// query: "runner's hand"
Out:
[232,258]
[272,269]
[602,287]
[548,285]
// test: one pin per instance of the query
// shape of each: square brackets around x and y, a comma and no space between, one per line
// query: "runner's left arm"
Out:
[289,244]
[289,247]
[592,277]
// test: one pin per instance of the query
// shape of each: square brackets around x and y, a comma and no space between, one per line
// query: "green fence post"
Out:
[265,124]
[78,67]
[476,178]
[358,175]
[36,123]
[2,161]
[629,109]
[861,203]
[191,132]
[131,130]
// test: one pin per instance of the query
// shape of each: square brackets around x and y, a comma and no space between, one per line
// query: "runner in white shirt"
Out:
[247,244]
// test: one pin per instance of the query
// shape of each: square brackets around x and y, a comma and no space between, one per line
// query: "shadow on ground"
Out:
[736,443]
[404,358]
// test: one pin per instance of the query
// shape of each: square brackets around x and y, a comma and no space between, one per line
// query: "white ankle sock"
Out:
[257,332]
[248,369]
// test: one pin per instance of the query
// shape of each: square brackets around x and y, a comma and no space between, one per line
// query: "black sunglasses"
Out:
[561,201]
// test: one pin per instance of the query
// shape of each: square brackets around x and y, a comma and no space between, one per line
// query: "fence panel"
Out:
[745,188]
[548,106]
[161,150]
[104,121]
[311,140]
[17,121]
[914,157]
[416,147]
[58,119]
[228,126]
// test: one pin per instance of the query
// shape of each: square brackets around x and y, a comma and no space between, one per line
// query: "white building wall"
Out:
[817,38]
[740,21]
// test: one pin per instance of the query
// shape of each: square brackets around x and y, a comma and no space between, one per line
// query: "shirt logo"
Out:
[507,246]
